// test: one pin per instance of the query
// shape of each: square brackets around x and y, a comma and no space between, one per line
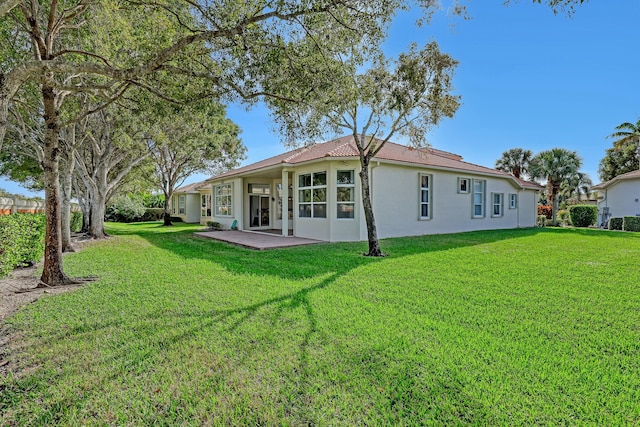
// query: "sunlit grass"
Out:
[515,327]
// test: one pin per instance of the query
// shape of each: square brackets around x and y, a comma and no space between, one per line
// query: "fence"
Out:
[10,205]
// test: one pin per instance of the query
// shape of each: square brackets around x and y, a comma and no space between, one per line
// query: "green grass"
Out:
[520,327]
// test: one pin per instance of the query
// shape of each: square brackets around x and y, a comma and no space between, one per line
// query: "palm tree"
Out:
[515,161]
[577,185]
[557,166]
[627,134]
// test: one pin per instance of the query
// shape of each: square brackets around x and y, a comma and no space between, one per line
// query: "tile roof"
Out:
[191,188]
[345,147]
[628,175]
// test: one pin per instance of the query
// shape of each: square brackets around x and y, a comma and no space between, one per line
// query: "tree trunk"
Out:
[65,186]
[96,225]
[372,233]
[52,272]
[554,204]
[167,209]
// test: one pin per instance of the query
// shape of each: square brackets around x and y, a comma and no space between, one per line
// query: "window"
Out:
[223,200]
[513,201]
[463,185]
[279,204]
[345,194]
[259,189]
[181,207]
[425,196]
[205,205]
[312,195]
[496,204]
[478,198]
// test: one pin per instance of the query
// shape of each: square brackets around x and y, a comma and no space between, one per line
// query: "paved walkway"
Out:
[258,241]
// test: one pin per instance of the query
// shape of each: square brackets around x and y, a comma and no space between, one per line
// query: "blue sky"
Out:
[528,78]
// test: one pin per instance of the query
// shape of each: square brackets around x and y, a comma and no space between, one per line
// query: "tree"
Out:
[191,138]
[619,160]
[558,166]
[515,161]
[66,47]
[576,186]
[405,97]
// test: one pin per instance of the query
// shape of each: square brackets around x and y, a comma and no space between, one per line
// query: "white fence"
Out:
[10,205]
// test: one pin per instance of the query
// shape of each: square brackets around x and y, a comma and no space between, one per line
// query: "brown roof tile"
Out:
[606,184]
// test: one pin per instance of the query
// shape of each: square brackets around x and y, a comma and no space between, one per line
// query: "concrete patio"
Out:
[256,240]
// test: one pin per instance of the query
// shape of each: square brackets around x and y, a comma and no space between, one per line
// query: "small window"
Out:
[205,205]
[345,194]
[513,201]
[464,185]
[478,198]
[259,189]
[496,204]
[425,196]
[312,195]
[181,205]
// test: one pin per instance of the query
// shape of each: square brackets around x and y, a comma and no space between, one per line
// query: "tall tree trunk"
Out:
[167,209]
[372,233]
[66,186]
[52,273]
[98,207]
[553,195]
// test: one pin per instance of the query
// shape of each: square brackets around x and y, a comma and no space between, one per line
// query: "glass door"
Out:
[259,211]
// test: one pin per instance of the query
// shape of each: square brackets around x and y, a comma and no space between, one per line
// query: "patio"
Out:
[257,240]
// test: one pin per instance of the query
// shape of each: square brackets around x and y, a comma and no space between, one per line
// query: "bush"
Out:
[563,217]
[615,224]
[21,240]
[214,226]
[153,200]
[547,211]
[583,215]
[125,209]
[153,214]
[542,221]
[631,223]
[76,221]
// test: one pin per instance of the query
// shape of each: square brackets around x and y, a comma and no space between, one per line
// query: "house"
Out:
[192,203]
[619,197]
[414,192]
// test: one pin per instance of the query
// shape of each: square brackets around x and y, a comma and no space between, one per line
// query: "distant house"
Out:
[619,197]
[192,203]
[414,192]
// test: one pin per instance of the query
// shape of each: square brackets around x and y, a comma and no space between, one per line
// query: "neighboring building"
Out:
[192,203]
[619,197]
[414,192]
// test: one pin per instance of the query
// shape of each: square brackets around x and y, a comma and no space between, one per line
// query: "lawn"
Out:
[519,327]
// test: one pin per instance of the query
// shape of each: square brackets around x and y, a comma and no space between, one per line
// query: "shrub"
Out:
[125,209]
[76,221]
[547,211]
[631,223]
[21,240]
[153,214]
[542,221]
[153,200]
[583,215]
[615,224]
[214,225]
[563,217]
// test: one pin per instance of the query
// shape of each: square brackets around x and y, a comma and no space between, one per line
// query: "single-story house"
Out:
[413,191]
[619,197]
[192,203]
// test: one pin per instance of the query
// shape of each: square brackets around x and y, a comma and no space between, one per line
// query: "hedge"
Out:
[153,214]
[615,224]
[631,223]
[583,215]
[21,240]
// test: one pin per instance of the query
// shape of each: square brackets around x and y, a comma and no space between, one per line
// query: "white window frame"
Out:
[312,188]
[513,201]
[174,205]
[422,190]
[499,204]
[223,201]
[468,184]
[483,203]
[351,185]
[182,204]
[205,205]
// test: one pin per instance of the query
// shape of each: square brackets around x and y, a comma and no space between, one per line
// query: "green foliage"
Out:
[583,215]
[21,240]
[542,221]
[153,214]
[619,160]
[76,221]
[442,332]
[152,200]
[125,209]
[213,225]
[515,161]
[545,210]
[563,217]
[615,223]
[631,223]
